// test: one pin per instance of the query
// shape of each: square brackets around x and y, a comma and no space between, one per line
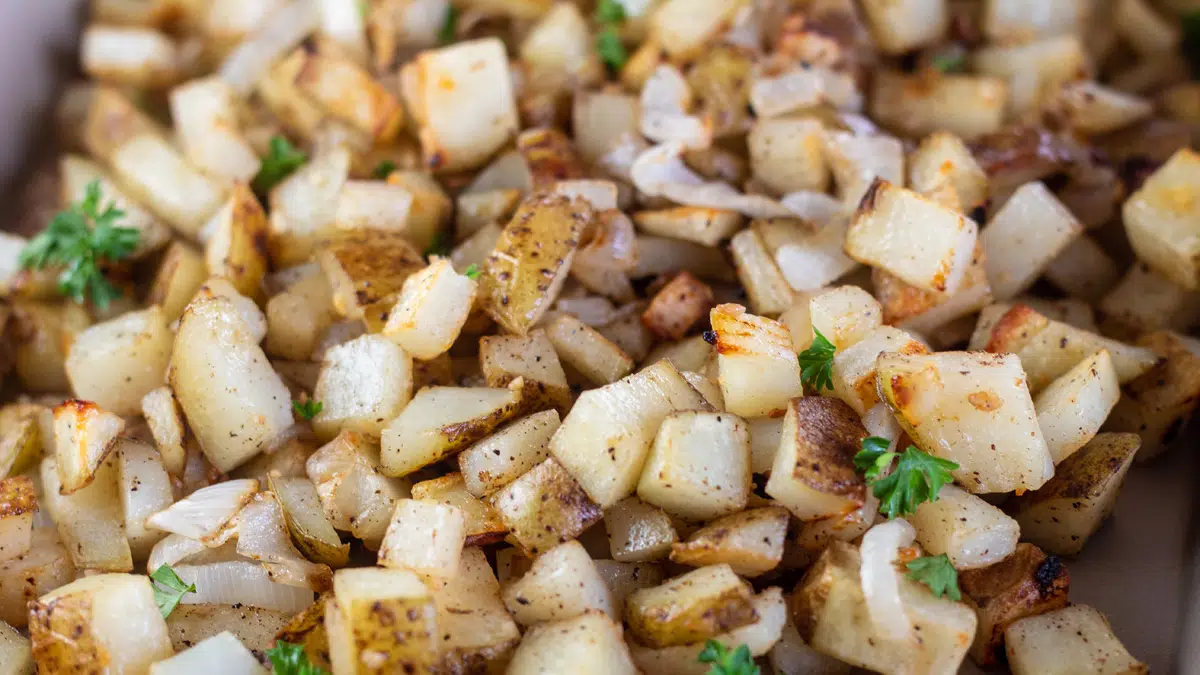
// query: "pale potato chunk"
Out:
[1070,640]
[970,531]
[973,409]
[205,114]
[690,608]
[1157,404]
[750,542]
[1072,408]
[235,246]
[918,240]
[685,27]
[501,458]
[586,350]
[589,644]
[298,317]
[1163,223]
[154,173]
[15,652]
[145,489]
[425,537]
[623,579]
[1145,301]
[1013,21]
[440,421]
[844,315]
[223,648]
[1084,270]
[561,584]
[854,367]
[699,465]
[431,310]
[523,506]
[765,433]
[180,274]
[786,154]
[856,161]
[482,523]
[117,362]
[1034,70]
[813,474]
[474,624]
[901,26]
[638,532]
[766,286]
[161,411]
[757,369]
[503,358]
[84,435]
[1022,239]
[129,55]
[46,566]
[363,383]
[808,253]
[347,92]
[944,160]
[304,205]
[18,504]
[920,103]
[77,173]
[354,493]
[707,226]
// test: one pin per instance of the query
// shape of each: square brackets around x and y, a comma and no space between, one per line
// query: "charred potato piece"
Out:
[544,508]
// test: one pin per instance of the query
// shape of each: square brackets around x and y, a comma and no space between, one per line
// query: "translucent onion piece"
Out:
[172,550]
[665,100]
[815,206]
[263,536]
[245,582]
[661,172]
[618,161]
[203,514]
[781,94]
[277,35]
[880,580]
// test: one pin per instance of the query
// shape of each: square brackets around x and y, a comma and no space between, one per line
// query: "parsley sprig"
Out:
[282,159]
[79,239]
[383,169]
[816,363]
[725,662]
[610,14]
[472,272]
[449,29]
[936,572]
[291,659]
[949,63]
[169,589]
[308,408]
[917,478]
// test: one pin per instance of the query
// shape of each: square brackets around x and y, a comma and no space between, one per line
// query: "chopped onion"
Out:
[618,161]
[241,581]
[173,549]
[661,172]
[815,206]
[665,100]
[880,581]
[204,514]
[278,34]
[747,28]
[781,94]
[263,536]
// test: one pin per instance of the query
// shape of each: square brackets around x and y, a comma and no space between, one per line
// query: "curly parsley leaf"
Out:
[79,240]
[440,246]
[816,363]
[384,169]
[473,271]
[449,29]
[937,573]
[874,457]
[950,63]
[726,662]
[610,11]
[291,659]
[282,159]
[611,49]
[308,408]
[917,478]
[169,589]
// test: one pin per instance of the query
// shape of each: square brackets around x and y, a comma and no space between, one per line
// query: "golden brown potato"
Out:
[482,524]
[367,269]
[308,630]
[677,307]
[1158,404]
[349,93]
[180,274]
[254,626]
[550,156]
[237,244]
[503,358]
[750,542]
[814,474]
[690,608]
[544,508]
[381,621]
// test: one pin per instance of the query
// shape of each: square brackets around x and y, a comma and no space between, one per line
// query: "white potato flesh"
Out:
[1024,237]
[84,435]
[45,567]
[1068,640]
[77,173]
[354,493]
[16,657]
[589,644]
[901,26]
[441,420]
[561,584]
[18,505]
[129,55]
[699,465]
[425,537]
[605,439]
[854,367]
[766,287]
[471,615]
[222,648]
[787,156]
[764,442]
[431,310]
[856,161]
[155,173]
[1032,69]
[586,350]
[145,488]
[363,384]
[638,532]
[1161,225]
[235,403]
[117,362]
[844,315]
[162,415]
[684,27]
[1072,408]
[502,457]
[89,520]
[973,409]
[970,531]
[757,369]
[206,122]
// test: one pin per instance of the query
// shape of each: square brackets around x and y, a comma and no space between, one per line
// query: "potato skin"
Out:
[544,508]
[62,639]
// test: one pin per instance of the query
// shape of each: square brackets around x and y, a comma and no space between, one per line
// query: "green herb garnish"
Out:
[440,246]
[169,589]
[937,573]
[917,478]
[473,271]
[610,11]
[79,239]
[307,408]
[816,363]
[449,29]
[726,662]
[950,63]
[610,14]
[282,159]
[384,169]
[291,659]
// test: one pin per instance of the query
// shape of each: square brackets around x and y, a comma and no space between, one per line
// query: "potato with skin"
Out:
[525,272]
[1157,404]
[813,474]
[367,270]
[26,431]
[381,621]
[1071,639]
[41,334]
[690,608]
[677,306]
[750,542]
[18,504]
[545,507]
[587,351]
[46,566]
[236,248]
[589,644]
[482,525]
[501,458]
[561,584]
[503,358]
[757,369]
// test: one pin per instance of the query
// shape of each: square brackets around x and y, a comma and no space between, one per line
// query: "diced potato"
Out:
[354,493]
[1026,583]
[854,367]
[504,456]
[561,584]
[424,537]
[371,204]
[440,421]
[1028,232]
[108,619]
[750,542]
[304,206]
[1157,404]
[18,504]
[638,532]
[809,254]
[813,473]
[205,115]
[606,438]
[678,306]
[180,274]
[589,644]
[26,432]
[688,354]
[856,161]
[154,173]
[765,433]
[117,362]
[247,310]
[1072,408]
[1093,109]
[135,57]
[367,269]
[901,26]
[625,578]
[482,525]
[223,648]
[844,315]
[504,358]
[831,615]
[663,255]
[458,128]
[525,272]
[555,50]
[944,160]
[927,102]
[1084,270]
[298,317]
[382,621]
[45,567]
[757,369]
[525,507]
[587,351]
[766,286]
[1145,301]
[162,415]
[699,465]
[41,335]
[684,28]
[84,435]
[431,310]
[1034,70]
[792,655]
[912,237]
[431,206]
[311,530]
[973,409]
[970,531]
[349,93]
[692,607]
[77,173]
[1007,21]
[363,383]
[236,248]
[145,489]
[235,403]
[471,616]
[15,652]
[628,331]
[1160,223]
[786,154]
[706,226]
[1067,640]
[1061,515]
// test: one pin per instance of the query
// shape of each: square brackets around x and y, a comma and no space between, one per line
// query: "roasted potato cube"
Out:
[46,566]
[475,626]
[757,369]
[606,438]
[503,358]
[458,128]
[971,408]
[117,362]
[624,578]
[310,528]
[1072,408]
[561,584]
[431,310]
[145,489]
[440,421]
[786,154]
[363,383]
[1084,270]
[349,93]
[587,351]
[857,161]
[371,204]
[504,456]
[482,525]
[844,315]
[180,274]
[1034,69]
[1060,516]
[928,102]
[162,415]
[766,286]
[236,248]
[813,473]
[854,367]
[1144,301]
[224,648]
[692,607]
[638,532]
[128,55]
[699,465]
[1028,232]
[18,504]
[969,531]
[354,493]
[206,120]
[77,173]
[367,269]
[84,435]
[1157,404]
[942,161]
[304,206]
[15,652]
[831,615]
[1161,225]
[707,226]
[155,174]
[901,26]
[1026,583]
[1073,639]
[750,542]
[923,243]
[381,621]
[677,306]
[101,623]
[425,537]
[526,271]
[26,431]
[589,644]
[42,334]
[525,507]
[298,317]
